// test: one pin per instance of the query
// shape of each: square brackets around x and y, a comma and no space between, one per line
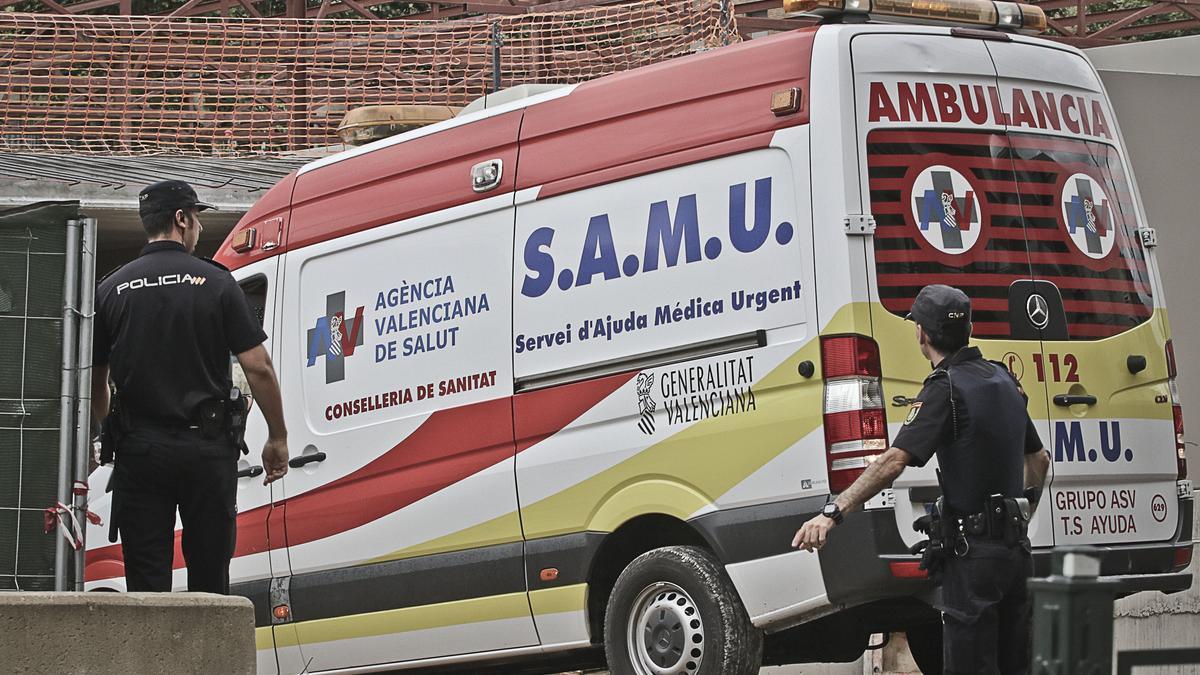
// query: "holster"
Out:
[224,418]
[212,418]
[237,410]
[933,549]
[1008,518]
[113,429]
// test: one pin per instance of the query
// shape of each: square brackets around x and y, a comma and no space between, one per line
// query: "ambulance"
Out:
[564,375]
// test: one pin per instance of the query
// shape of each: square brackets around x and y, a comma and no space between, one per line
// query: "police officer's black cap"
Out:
[169,196]
[938,307]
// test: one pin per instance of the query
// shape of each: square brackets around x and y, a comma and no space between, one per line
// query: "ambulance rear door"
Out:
[1092,300]
[935,178]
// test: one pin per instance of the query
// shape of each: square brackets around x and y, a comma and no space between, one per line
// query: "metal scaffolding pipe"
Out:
[83,384]
[66,417]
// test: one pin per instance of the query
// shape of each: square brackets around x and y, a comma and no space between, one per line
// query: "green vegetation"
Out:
[1104,14]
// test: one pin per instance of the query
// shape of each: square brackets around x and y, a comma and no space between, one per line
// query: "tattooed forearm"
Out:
[879,474]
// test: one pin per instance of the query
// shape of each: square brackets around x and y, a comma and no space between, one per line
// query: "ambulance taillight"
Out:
[855,423]
[1176,412]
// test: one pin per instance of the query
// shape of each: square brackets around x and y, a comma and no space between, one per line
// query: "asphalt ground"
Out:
[855,668]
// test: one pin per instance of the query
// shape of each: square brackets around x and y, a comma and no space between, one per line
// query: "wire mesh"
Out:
[225,86]
[32,263]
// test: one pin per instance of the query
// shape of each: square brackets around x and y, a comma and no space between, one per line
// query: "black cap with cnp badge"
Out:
[169,196]
[939,307]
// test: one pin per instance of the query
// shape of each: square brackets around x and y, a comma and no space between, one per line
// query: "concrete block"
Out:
[126,634]
[1153,620]
[894,658]
[855,668]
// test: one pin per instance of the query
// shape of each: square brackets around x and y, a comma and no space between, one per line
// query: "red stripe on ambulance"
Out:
[450,446]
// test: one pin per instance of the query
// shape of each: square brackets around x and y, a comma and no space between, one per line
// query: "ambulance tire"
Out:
[680,600]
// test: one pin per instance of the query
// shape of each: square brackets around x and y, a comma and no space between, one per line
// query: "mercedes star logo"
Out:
[1038,310]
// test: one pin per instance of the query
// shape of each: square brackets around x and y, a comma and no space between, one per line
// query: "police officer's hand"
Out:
[275,459]
[811,536]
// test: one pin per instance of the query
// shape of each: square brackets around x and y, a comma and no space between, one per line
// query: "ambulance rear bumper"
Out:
[866,561]
[1146,565]
[866,564]
[1151,566]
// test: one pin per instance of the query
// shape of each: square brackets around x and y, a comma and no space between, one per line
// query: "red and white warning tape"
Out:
[59,515]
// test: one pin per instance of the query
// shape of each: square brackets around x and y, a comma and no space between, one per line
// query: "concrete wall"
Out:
[126,634]
[1155,89]
[1157,621]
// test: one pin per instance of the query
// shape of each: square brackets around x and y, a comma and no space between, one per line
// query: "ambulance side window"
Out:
[255,289]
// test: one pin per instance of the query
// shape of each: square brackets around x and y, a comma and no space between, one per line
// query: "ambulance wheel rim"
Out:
[666,633]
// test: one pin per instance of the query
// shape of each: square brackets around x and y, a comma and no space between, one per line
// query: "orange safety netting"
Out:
[235,87]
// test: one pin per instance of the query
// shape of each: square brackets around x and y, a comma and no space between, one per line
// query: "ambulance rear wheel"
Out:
[673,611]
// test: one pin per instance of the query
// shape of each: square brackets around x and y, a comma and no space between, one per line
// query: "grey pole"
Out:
[83,429]
[726,19]
[66,418]
[1073,614]
[497,42]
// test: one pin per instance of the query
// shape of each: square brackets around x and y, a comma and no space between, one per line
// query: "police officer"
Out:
[972,414]
[165,327]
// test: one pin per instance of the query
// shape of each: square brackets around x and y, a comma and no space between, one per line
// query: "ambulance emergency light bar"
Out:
[1020,17]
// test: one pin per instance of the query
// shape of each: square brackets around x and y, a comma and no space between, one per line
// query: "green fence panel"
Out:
[32,268]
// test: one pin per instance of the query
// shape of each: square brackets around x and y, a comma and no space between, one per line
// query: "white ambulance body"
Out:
[589,358]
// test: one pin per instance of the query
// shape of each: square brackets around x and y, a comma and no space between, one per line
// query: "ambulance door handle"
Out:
[1065,400]
[297,462]
[250,472]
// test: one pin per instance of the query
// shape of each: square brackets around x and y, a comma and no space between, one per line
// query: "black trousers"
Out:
[157,472]
[986,610]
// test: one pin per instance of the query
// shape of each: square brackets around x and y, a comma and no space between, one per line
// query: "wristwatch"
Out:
[832,512]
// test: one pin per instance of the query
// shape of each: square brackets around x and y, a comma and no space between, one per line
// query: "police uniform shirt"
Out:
[166,324]
[980,437]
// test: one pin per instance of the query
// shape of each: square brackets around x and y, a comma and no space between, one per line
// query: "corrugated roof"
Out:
[117,173]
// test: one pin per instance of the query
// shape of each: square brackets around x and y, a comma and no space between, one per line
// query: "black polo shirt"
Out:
[972,414]
[166,324]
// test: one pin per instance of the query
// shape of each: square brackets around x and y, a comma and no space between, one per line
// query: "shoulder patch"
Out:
[913,411]
[214,263]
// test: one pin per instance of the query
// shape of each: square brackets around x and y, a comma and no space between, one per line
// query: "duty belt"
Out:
[1003,519]
[978,525]
[159,424]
